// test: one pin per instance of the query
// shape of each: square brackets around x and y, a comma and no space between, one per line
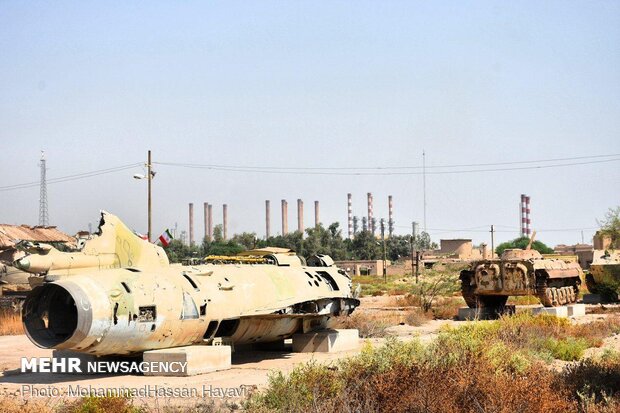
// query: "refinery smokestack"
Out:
[371,226]
[316,214]
[267,219]
[390,216]
[300,216]
[206,219]
[284,217]
[224,221]
[350,214]
[191,224]
[525,215]
[210,222]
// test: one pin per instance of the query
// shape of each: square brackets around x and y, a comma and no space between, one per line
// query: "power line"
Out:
[361,168]
[294,171]
[73,177]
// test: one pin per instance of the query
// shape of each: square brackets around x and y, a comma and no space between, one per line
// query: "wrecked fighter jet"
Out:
[141,302]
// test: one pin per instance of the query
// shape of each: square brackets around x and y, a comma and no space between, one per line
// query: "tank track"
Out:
[555,296]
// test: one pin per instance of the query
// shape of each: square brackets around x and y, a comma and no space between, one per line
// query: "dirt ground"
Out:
[250,368]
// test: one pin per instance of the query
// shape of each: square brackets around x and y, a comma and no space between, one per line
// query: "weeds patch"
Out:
[10,323]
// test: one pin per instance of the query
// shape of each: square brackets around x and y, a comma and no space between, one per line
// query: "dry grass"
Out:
[10,323]
[417,317]
[480,367]
[15,405]
[442,308]
[371,323]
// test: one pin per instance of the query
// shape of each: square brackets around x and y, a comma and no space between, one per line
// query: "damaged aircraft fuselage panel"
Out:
[113,246]
[150,305]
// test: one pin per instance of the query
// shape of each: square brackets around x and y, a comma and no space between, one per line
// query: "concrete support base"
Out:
[556,311]
[576,310]
[484,313]
[326,341]
[198,359]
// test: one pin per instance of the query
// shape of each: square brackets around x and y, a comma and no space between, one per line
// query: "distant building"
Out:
[362,267]
[584,253]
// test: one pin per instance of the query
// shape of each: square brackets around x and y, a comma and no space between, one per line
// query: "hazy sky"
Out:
[294,84]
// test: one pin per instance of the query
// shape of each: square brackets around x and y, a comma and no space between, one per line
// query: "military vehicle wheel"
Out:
[556,296]
[492,301]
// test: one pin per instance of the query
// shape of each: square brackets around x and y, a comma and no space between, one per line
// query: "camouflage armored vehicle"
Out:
[604,275]
[489,283]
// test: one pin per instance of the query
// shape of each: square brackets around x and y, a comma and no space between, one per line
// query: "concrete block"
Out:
[199,359]
[592,299]
[484,313]
[576,310]
[326,341]
[561,311]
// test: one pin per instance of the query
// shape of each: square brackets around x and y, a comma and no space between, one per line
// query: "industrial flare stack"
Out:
[350,215]
[525,215]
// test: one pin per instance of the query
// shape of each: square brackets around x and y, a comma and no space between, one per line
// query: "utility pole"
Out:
[149,180]
[412,246]
[43,214]
[492,242]
[384,250]
[424,184]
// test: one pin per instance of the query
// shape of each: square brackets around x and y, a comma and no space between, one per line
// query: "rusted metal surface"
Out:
[151,304]
[521,272]
[10,234]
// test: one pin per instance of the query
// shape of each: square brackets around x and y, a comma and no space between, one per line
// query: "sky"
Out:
[280,85]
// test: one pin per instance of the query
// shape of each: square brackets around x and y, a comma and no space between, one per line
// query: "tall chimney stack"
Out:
[300,216]
[210,222]
[224,221]
[525,215]
[390,216]
[284,217]
[350,215]
[191,224]
[316,214]
[371,227]
[206,219]
[267,218]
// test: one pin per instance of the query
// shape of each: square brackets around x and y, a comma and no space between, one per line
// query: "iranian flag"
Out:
[165,238]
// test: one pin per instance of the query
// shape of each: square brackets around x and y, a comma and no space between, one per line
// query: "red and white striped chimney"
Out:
[371,227]
[350,214]
[525,215]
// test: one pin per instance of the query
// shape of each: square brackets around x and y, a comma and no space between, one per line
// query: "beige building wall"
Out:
[601,242]
[362,267]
